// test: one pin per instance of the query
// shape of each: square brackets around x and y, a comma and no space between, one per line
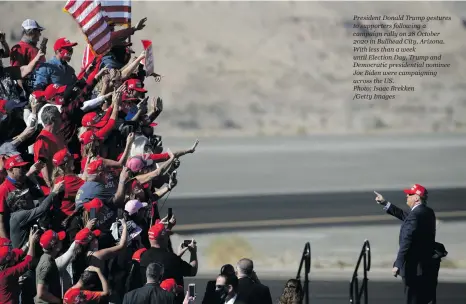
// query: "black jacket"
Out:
[149,294]
[416,240]
[253,293]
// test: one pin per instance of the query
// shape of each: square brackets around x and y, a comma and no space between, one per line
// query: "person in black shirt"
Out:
[174,266]
[150,293]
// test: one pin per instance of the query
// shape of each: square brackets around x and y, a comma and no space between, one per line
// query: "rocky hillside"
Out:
[268,68]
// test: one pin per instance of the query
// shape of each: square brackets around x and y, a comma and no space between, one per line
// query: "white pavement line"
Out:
[305,221]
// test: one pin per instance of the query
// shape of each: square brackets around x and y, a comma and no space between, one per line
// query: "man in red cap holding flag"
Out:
[414,261]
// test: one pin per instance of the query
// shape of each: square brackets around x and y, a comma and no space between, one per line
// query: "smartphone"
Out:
[192,290]
[43,44]
[93,213]
[43,160]
[186,243]
[170,213]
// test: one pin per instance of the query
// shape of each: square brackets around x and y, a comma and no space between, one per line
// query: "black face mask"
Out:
[221,292]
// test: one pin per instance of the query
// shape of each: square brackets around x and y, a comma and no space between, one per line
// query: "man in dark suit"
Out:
[151,293]
[250,288]
[226,287]
[414,261]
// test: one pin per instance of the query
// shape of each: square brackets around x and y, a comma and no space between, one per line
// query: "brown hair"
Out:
[292,293]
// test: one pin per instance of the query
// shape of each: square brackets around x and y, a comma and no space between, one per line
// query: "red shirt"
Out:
[72,185]
[23,53]
[86,296]
[46,145]
[5,188]
[9,286]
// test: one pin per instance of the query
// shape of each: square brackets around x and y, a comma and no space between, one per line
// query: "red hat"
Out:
[3,106]
[93,119]
[157,231]
[53,90]
[135,84]
[95,167]
[85,236]
[88,137]
[169,284]
[15,161]
[63,156]
[416,189]
[137,254]
[76,296]
[38,94]
[94,203]
[63,43]
[50,238]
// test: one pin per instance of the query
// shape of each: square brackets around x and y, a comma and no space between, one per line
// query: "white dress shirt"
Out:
[232,300]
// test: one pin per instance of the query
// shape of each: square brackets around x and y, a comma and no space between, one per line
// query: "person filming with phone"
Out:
[175,267]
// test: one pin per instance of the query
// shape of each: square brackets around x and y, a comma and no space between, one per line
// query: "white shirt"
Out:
[232,300]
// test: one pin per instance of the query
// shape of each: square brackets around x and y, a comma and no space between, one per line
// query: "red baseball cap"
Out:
[85,236]
[137,254]
[95,167]
[416,189]
[169,284]
[62,156]
[88,137]
[53,90]
[157,231]
[50,238]
[135,84]
[38,94]
[3,106]
[5,254]
[94,203]
[93,119]
[14,161]
[63,43]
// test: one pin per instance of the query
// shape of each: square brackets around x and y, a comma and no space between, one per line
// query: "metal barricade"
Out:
[306,260]
[357,293]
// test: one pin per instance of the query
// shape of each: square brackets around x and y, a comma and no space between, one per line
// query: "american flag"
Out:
[90,18]
[118,12]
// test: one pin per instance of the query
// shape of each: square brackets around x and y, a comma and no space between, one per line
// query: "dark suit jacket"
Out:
[209,295]
[416,241]
[253,293]
[149,294]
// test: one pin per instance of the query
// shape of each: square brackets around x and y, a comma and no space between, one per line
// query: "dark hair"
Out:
[227,269]
[49,115]
[231,280]
[89,279]
[16,200]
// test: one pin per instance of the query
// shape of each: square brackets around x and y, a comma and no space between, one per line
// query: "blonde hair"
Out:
[292,293]
[85,217]
[57,172]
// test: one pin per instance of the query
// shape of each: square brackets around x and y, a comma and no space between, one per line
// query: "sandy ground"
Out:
[268,68]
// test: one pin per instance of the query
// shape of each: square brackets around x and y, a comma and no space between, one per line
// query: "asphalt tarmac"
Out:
[336,292]
[271,211]
[316,164]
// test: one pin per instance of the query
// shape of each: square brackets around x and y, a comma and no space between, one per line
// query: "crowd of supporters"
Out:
[81,175]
